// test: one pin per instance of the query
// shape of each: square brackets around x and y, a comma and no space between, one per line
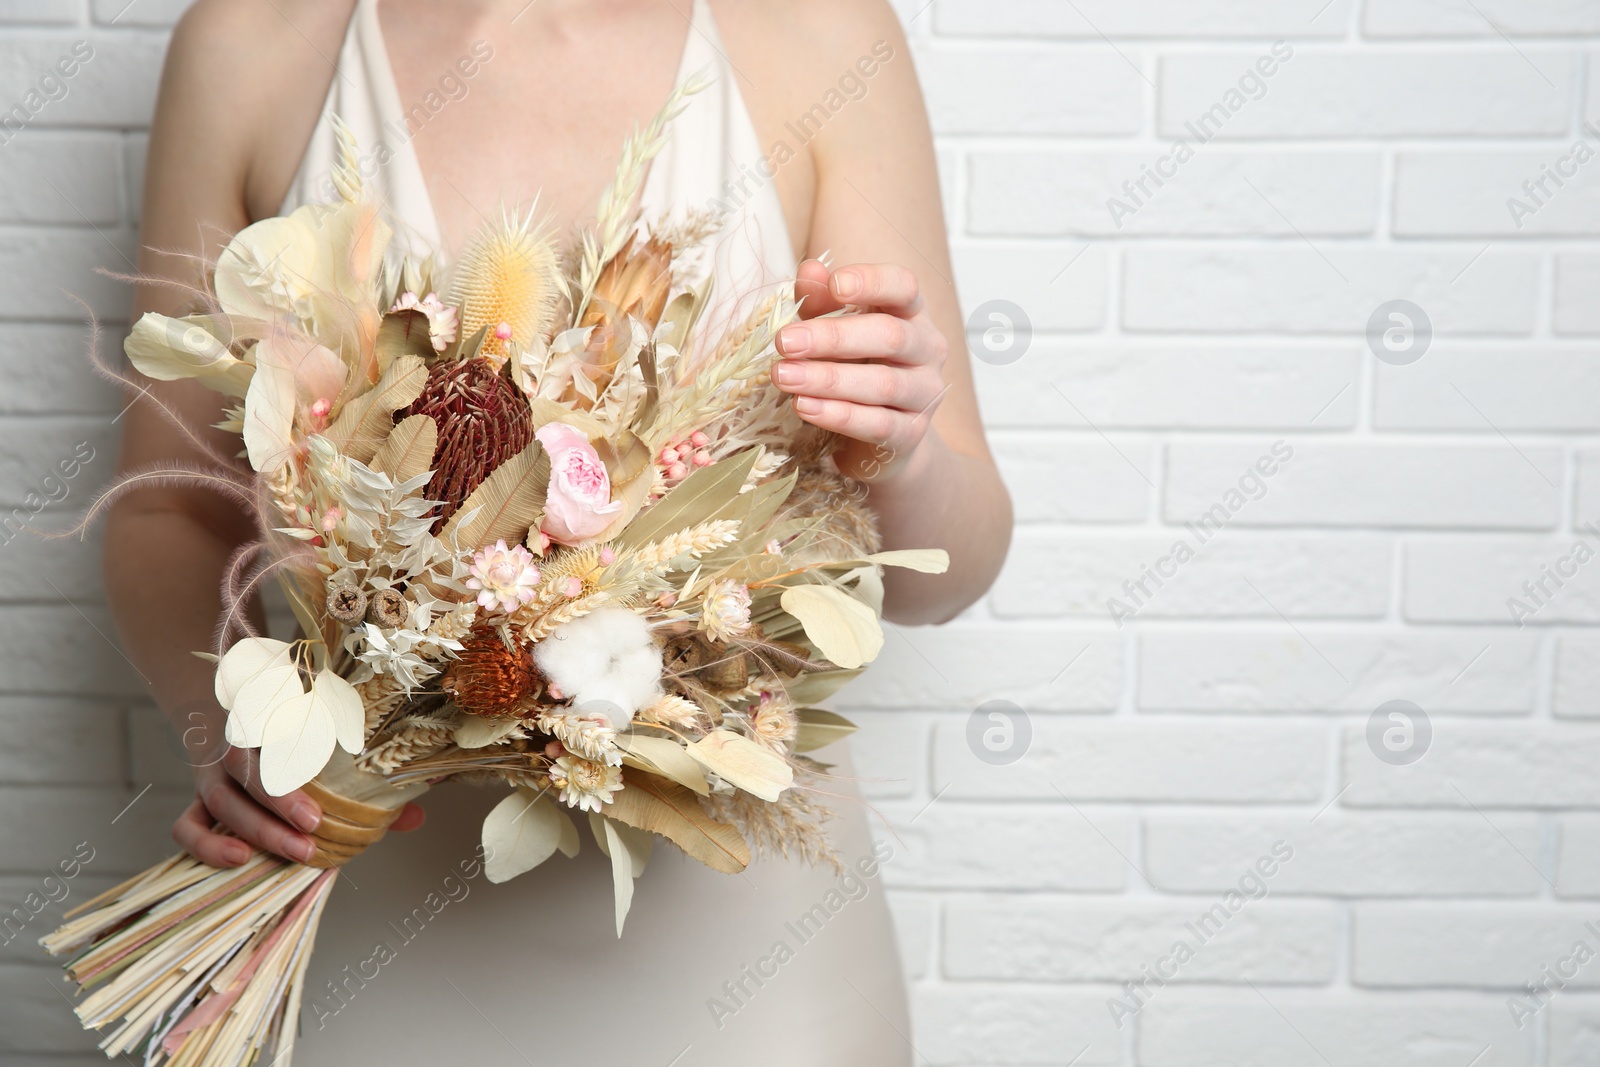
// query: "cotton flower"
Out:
[606,662]
[585,784]
[578,504]
[503,576]
[443,322]
[725,609]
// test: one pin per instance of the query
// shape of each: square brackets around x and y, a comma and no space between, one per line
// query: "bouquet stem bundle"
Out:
[205,965]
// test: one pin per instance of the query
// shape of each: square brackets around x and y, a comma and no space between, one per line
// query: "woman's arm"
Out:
[895,379]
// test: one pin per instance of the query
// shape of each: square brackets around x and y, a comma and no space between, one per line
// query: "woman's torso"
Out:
[785,964]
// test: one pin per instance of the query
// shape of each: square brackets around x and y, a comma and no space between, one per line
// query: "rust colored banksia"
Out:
[483,421]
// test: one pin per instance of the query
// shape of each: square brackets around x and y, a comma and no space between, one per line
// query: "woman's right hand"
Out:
[228,792]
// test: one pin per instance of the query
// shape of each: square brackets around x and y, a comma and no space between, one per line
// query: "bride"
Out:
[813,147]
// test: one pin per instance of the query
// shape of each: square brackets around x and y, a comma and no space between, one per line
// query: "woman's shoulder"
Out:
[810,38]
[244,80]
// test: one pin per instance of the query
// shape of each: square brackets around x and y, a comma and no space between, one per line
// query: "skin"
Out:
[241,90]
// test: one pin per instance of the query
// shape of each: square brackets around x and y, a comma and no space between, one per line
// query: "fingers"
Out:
[240,812]
[296,807]
[879,384]
[896,432]
[411,817]
[885,286]
[194,835]
[870,336]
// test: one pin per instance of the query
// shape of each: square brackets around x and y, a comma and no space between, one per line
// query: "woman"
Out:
[490,102]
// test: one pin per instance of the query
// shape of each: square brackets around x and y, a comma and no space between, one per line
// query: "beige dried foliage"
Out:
[792,825]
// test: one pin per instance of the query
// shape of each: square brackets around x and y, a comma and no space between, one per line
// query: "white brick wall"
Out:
[1229,714]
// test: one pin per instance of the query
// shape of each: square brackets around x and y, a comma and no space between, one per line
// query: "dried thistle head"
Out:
[483,421]
[509,274]
[489,678]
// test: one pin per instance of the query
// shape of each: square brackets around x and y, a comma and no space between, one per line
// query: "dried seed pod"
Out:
[347,603]
[388,609]
[727,673]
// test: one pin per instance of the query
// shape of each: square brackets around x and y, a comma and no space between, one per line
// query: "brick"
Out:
[959,666]
[48,12]
[1285,1028]
[1577,685]
[1574,1031]
[1059,287]
[1324,576]
[1064,479]
[54,650]
[64,179]
[1029,91]
[1119,760]
[116,86]
[1577,279]
[44,825]
[1469,946]
[1296,290]
[1458,194]
[1045,939]
[135,149]
[949,845]
[73,256]
[36,1014]
[1200,386]
[1578,869]
[1196,669]
[46,370]
[1350,854]
[1392,93]
[1337,484]
[1485,18]
[915,916]
[1099,193]
[969,1023]
[53,741]
[33,905]
[1480,765]
[139,12]
[59,462]
[1485,391]
[1155,18]
[34,568]
[1587,508]
[1482,580]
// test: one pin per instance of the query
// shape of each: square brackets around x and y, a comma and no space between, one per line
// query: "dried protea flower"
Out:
[633,282]
[487,678]
[388,609]
[483,421]
[509,276]
[347,603]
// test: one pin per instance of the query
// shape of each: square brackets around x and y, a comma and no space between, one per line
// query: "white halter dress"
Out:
[420,960]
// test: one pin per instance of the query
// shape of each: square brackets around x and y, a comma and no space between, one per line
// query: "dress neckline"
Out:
[391,113]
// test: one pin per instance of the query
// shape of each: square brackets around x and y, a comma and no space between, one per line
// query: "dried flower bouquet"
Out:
[549,531]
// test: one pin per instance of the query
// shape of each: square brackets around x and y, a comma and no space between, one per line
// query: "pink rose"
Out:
[578,504]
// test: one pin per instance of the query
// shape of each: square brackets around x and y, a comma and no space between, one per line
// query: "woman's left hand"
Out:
[873,376]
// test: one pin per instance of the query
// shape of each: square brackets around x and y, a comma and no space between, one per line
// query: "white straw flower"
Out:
[725,610]
[585,784]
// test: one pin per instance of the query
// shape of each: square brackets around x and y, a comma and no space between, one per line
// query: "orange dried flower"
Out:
[489,679]
[483,421]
